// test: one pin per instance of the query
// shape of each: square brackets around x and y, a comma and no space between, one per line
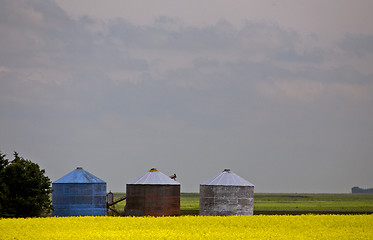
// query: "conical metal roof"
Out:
[227,178]
[153,176]
[79,176]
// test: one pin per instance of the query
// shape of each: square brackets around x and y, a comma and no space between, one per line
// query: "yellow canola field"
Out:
[191,227]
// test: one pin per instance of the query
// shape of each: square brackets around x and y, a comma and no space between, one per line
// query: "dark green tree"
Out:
[3,188]
[24,188]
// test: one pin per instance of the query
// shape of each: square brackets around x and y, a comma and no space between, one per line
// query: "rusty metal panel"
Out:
[152,200]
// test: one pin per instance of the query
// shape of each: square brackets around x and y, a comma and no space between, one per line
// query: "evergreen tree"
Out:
[3,187]
[24,188]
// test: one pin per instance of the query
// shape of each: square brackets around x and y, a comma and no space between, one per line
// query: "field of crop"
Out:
[314,201]
[289,203]
[191,227]
[274,203]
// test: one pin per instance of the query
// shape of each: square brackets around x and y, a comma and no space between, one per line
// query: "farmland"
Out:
[289,203]
[314,203]
[191,227]
[297,225]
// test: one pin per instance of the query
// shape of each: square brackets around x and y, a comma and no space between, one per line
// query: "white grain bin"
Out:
[226,194]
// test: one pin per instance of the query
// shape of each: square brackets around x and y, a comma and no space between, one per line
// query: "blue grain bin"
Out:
[79,193]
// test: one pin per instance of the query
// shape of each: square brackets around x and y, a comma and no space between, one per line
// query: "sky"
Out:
[280,92]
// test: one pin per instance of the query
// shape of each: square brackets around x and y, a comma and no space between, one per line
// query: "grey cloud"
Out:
[358,45]
[292,55]
[223,36]
[36,28]
[49,38]
[93,93]
[341,74]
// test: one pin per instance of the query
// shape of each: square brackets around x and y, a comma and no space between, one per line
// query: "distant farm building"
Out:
[153,194]
[226,194]
[79,193]
[361,190]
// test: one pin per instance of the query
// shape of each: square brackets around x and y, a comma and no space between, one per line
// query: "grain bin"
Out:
[153,194]
[226,194]
[79,193]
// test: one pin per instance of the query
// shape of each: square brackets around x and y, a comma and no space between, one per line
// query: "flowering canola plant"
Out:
[191,227]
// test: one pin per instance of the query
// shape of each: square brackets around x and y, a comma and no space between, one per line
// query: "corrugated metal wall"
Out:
[79,193]
[218,200]
[79,199]
[152,200]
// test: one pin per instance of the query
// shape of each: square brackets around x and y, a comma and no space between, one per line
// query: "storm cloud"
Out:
[282,109]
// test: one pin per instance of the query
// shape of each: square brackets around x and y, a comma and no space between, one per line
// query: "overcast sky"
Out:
[280,92]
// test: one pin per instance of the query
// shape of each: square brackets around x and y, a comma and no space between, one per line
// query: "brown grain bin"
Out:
[153,194]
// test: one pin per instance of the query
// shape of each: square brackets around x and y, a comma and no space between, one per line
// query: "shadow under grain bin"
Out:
[226,194]
[153,194]
[79,193]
